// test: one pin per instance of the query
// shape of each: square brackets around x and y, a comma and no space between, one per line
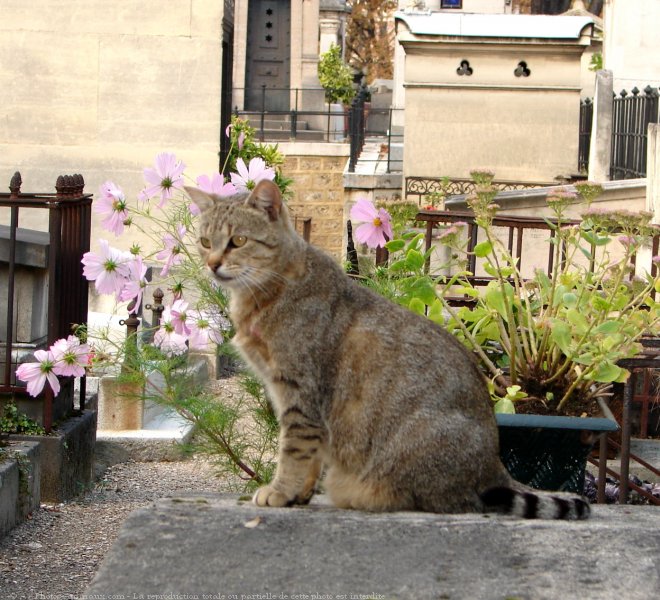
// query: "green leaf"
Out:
[561,336]
[414,259]
[570,300]
[504,405]
[490,269]
[417,306]
[469,291]
[602,240]
[578,320]
[436,313]
[395,245]
[608,327]
[599,303]
[424,290]
[606,373]
[398,266]
[483,249]
[495,297]
[586,252]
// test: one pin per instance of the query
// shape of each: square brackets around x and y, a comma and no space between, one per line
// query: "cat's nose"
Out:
[214,265]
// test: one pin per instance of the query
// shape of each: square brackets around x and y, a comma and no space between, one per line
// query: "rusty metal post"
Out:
[132,323]
[156,309]
[628,391]
[602,468]
[15,190]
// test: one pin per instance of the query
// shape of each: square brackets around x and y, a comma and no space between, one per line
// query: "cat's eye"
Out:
[238,240]
[205,242]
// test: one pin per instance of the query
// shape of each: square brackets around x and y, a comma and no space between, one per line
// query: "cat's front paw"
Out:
[269,496]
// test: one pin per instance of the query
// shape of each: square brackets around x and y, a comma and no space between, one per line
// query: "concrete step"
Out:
[225,548]
[306,135]
[282,124]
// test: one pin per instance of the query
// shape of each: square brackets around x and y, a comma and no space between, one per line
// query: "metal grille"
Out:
[586,117]
[631,115]
[67,239]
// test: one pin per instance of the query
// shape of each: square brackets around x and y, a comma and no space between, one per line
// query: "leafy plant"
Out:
[555,339]
[244,146]
[14,421]
[560,336]
[335,77]
[239,434]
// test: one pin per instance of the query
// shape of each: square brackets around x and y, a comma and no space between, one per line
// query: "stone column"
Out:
[601,130]
[329,30]
[653,171]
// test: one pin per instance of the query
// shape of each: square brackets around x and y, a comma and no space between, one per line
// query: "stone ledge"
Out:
[215,544]
[67,466]
[19,489]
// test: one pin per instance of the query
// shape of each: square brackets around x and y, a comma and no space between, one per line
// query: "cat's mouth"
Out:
[223,276]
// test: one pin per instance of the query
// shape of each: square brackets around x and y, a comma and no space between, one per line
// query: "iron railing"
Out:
[418,189]
[67,239]
[631,115]
[586,118]
[284,114]
[276,99]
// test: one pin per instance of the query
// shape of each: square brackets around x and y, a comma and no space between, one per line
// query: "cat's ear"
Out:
[201,199]
[266,196]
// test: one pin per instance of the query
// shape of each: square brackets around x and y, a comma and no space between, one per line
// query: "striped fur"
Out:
[382,407]
[535,505]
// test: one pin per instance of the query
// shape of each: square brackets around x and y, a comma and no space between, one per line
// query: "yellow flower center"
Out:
[377,222]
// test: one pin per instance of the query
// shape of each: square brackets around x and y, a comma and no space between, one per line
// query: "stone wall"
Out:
[318,190]
[101,90]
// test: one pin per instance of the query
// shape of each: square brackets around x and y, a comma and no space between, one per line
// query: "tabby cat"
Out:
[390,408]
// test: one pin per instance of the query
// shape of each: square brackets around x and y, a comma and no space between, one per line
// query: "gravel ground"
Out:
[55,554]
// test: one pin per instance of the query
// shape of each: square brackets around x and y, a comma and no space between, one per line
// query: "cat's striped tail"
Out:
[534,504]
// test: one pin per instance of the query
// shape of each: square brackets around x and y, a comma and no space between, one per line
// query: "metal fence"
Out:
[586,118]
[45,263]
[631,115]
[281,114]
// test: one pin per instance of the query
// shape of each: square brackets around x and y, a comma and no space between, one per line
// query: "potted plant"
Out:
[548,344]
[336,77]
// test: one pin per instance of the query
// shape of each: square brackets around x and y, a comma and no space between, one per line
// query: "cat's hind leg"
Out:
[349,490]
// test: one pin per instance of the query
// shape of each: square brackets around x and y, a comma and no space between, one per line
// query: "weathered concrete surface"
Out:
[20,493]
[67,463]
[219,547]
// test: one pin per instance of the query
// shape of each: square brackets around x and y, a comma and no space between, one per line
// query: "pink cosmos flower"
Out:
[212,185]
[179,317]
[248,176]
[170,342]
[71,357]
[166,176]
[171,254]
[241,140]
[37,373]
[112,205]
[167,339]
[135,283]
[108,269]
[201,331]
[376,224]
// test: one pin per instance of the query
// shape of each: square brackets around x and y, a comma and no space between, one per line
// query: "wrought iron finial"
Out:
[351,252]
[15,185]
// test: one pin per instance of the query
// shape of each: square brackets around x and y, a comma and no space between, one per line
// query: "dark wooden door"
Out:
[268,55]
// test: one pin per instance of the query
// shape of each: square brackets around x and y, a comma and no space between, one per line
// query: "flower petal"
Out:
[363,211]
